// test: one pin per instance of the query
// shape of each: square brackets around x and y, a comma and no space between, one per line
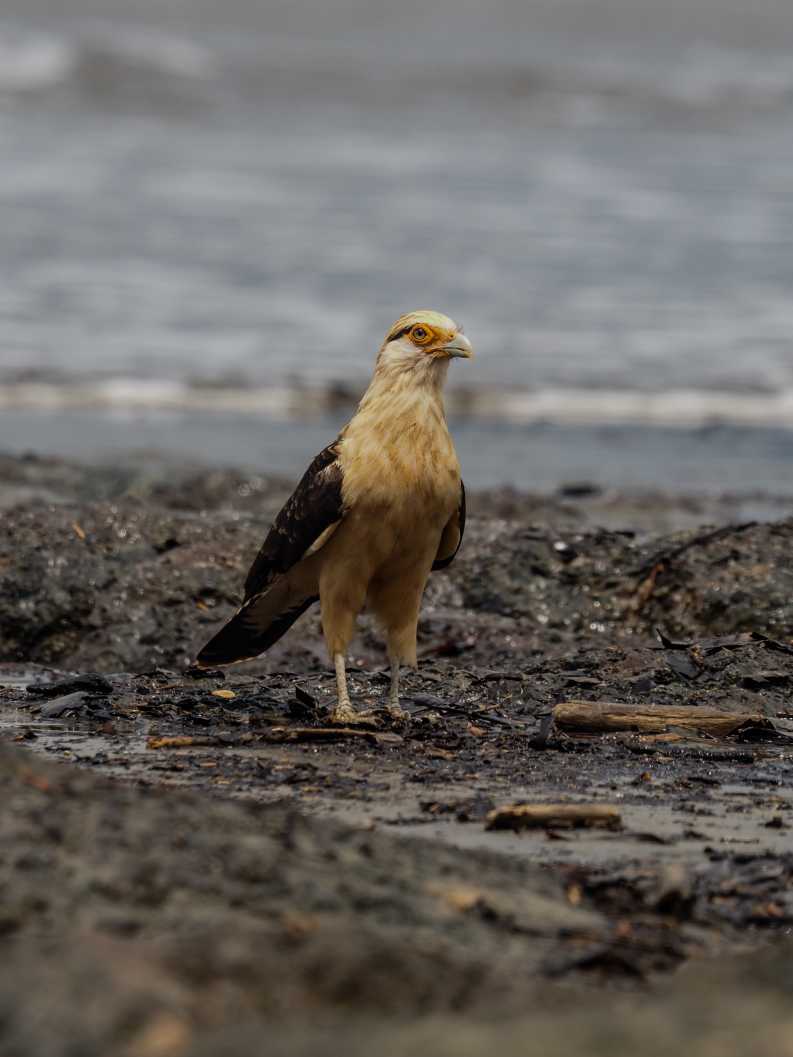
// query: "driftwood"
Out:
[603,717]
[555,816]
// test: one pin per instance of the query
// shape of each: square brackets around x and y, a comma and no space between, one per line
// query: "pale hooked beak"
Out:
[460,347]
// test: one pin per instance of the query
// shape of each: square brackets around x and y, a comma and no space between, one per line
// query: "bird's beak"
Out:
[459,346]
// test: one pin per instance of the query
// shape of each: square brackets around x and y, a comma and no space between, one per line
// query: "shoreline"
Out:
[746,469]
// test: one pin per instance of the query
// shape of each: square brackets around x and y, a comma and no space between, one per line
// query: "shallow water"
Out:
[185,204]
[750,462]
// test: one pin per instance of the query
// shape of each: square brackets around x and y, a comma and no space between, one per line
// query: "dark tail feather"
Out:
[250,633]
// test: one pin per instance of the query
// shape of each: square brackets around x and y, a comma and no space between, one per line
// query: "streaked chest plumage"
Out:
[401,458]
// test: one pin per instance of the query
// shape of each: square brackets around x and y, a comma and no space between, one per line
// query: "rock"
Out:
[90,681]
[62,706]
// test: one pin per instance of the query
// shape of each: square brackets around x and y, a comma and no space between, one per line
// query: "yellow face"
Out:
[432,333]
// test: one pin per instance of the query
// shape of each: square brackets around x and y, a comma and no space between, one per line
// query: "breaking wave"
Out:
[671,408]
[129,65]
[137,66]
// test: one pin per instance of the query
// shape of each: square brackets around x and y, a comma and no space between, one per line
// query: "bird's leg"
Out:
[343,710]
[393,693]
[393,708]
[344,713]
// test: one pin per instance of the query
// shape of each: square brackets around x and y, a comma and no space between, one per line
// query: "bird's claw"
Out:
[346,716]
[396,714]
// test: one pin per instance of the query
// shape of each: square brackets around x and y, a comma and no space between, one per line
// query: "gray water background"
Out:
[199,198]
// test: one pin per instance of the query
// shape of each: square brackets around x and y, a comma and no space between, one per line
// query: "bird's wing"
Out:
[273,599]
[452,535]
[305,522]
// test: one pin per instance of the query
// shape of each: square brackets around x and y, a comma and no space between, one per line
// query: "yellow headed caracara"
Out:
[373,515]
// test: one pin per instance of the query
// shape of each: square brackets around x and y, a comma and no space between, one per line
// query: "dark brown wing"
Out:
[452,535]
[272,602]
[313,507]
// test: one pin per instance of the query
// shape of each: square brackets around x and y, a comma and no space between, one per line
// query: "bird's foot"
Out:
[344,715]
[396,713]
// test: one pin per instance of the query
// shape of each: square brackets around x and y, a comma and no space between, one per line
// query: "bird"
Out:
[374,514]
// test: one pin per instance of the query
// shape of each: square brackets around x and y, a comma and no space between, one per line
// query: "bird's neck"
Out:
[398,442]
[399,399]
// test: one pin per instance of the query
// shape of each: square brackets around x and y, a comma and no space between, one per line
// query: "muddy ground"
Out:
[264,878]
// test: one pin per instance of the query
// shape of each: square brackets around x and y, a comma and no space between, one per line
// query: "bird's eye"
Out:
[420,334]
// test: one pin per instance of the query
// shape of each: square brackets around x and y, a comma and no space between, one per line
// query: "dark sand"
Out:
[240,894]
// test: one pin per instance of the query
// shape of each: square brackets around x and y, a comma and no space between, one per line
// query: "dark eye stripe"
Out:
[399,333]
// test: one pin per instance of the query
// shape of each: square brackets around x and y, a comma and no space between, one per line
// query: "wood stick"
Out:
[526,816]
[273,735]
[181,741]
[279,734]
[602,717]
[669,554]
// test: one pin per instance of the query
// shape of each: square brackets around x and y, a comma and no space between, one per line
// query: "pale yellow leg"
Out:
[394,709]
[393,693]
[343,713]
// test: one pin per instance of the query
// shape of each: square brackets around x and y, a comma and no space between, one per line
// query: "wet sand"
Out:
[174,897]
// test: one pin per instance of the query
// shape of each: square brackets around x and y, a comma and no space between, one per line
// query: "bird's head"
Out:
[423,341]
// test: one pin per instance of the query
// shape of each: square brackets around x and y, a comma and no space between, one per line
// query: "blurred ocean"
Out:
[210,214]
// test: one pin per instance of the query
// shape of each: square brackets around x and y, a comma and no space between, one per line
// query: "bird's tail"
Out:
[254,628]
